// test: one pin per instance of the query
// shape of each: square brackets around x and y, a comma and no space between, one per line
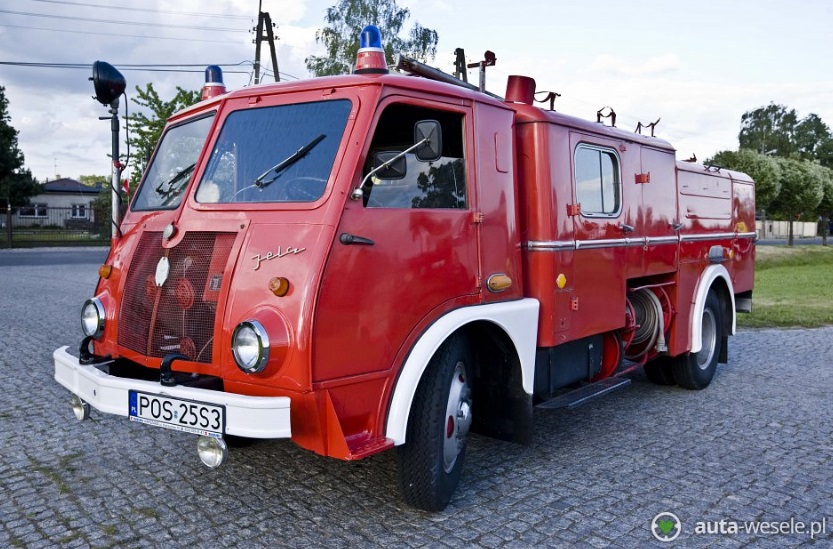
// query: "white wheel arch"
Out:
[519,319]
[707,279]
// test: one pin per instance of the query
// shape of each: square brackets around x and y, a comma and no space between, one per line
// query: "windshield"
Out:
[173,165]
[275,154]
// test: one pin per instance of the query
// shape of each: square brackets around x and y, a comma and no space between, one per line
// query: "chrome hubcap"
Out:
[458,417]
[709,332]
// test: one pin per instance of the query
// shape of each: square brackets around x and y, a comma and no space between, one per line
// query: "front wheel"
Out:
[696,370]
[431,460]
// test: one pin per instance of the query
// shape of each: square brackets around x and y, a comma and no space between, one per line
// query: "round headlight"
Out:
[92,318]
[250,346]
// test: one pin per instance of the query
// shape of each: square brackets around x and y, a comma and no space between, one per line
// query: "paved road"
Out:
[54,256]
[757,445]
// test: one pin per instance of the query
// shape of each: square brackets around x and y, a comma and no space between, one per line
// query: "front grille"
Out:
[178,317]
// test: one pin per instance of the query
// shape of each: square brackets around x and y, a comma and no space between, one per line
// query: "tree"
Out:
[769,130]
[811,133]
[146,129]
[91,180]
[824,153]
[16,182]
[825,207]
[346,20]
[801,190]
[761,168]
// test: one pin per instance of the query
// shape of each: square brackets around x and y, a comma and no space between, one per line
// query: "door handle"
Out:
[626,228]
[347,238]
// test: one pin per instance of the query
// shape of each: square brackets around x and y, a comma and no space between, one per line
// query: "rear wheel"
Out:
[431,460]
[696,370]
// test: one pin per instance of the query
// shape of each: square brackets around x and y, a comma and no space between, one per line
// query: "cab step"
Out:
[585,394]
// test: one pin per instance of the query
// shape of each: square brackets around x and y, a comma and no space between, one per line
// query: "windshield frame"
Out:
[235,104]
[186,191]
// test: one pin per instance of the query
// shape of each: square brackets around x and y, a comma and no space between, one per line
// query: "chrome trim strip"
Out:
[549,245]
[710,236]
[662,240]
[609,243]
[562,245]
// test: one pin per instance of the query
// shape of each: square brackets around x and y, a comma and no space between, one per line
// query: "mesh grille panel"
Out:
[178,317]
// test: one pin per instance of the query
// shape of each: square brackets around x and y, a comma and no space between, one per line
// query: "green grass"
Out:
[793,288]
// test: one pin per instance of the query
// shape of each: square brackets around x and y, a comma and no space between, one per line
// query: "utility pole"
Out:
[263,20]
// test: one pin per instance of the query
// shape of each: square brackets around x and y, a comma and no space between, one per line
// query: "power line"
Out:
[147,67]
[119,34]
[143,68]
[114,22]
[145,10]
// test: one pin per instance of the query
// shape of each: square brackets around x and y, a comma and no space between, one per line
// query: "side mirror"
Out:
[432,149]
[108,82]
[386,165]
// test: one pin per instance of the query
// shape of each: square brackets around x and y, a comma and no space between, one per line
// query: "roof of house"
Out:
[67,185]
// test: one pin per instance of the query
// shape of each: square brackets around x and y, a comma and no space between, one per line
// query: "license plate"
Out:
[190,416]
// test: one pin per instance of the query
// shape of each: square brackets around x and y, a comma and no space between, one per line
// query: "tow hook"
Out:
[166,375]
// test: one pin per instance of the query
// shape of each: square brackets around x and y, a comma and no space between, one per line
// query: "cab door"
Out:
[603,221]
[405,253]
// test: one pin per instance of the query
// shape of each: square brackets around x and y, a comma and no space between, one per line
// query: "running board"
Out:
[585,394]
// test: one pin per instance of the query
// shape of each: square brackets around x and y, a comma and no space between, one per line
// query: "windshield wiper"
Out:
[278,168]
[170,182]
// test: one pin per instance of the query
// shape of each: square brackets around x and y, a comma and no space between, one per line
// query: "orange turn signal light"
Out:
[279,286]
[498,283]
[105,271]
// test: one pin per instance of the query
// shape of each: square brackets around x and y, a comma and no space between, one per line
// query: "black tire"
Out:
[431,460]
[696,370]
[658,371]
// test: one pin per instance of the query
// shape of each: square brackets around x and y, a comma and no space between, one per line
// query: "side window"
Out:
[439,184]
[598,183]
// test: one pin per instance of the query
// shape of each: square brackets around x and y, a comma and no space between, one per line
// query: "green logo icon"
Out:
[666,526]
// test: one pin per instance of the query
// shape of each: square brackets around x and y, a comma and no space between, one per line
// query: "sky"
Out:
[697,66]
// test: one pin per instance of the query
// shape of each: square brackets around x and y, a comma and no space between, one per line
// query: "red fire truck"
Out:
[384,260]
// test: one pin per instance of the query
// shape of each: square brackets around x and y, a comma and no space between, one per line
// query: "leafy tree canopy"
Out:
[811,133]
[769,130]
[825,208]
[801,190]
[346,20]
[91,180]
[777,131]
[16,182]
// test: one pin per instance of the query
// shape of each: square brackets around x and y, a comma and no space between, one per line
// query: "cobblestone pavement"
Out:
[754,446]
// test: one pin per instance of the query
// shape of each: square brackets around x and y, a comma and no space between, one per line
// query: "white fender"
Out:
[519,319]
[712,273]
